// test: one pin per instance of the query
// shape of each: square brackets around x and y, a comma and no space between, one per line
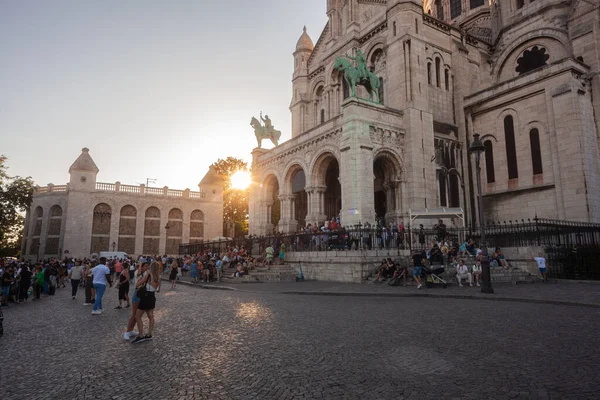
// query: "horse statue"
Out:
[265,132]
[353,76]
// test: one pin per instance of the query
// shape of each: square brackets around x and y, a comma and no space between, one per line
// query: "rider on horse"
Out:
[361,64]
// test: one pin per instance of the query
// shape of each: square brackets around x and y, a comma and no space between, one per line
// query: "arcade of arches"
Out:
[314,196]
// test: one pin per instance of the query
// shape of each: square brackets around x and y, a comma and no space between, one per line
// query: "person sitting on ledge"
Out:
[462,271]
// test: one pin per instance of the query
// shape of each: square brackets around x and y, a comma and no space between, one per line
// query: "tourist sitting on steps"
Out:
[463,272]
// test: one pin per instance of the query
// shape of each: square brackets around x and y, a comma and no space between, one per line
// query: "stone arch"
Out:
[127,229]
[292,167]
[373,48]
[53,231]
[271,211]
[325,176]
[196,226]
[151,230]
[552,39]
[38,216]
[265,174]
[174,229]
[387,168]
[101,228]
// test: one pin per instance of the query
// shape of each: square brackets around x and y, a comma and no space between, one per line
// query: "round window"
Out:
[83,179]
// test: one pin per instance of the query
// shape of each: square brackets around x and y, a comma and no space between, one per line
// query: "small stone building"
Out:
[523,74]
[85,216]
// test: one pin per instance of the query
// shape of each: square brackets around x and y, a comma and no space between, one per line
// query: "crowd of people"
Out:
[22,281]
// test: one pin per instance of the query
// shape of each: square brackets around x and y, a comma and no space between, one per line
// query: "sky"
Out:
[154,88]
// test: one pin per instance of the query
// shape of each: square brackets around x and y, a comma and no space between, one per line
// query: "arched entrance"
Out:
[299,198]
[385,186]
[272,210]
[328,189]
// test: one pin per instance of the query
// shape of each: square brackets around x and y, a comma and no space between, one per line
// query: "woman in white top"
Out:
[135,300]
[149,282]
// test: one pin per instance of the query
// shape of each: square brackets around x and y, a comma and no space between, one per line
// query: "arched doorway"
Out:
[326,173]
[386,191]
[101,228]
[300,198]
[272,210]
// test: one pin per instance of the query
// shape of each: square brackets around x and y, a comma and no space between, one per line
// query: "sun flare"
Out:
[241,180]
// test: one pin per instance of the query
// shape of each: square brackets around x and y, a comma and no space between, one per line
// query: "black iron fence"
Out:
[524,233]
[581,263]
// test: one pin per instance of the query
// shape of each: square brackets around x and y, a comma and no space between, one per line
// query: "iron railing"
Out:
[524,233]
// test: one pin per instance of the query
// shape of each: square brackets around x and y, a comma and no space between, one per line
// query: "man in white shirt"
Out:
[462,271]
[101,274]
[541,262]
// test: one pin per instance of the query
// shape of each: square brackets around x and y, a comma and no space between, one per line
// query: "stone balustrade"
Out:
[117,187]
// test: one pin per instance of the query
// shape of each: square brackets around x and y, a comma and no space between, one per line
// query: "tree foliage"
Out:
[235,201]
[16,195]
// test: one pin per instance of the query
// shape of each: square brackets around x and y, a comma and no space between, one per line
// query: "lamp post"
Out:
[477,148]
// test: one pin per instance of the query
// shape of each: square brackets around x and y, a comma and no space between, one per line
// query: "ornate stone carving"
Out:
[386,137]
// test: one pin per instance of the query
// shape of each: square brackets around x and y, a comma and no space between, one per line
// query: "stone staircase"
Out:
[276,273]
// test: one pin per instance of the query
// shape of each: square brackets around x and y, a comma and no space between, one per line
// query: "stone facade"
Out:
[521,73]
[85,216]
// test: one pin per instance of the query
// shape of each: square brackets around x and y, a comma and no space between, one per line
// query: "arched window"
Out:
[322,115]
[438,78]
[346,88]
[455,8]
[439,9]
[101,228]
[394,25]
[511,148]
[429,73]
[196,226]
[489,162]
[381,93]
[536,154]
[520,3]
[476,3]
[127,229]
[447,79]
[532,59]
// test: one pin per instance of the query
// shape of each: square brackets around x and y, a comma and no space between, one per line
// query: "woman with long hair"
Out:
[173,273]
[124,286]
[148,286]
[138,274]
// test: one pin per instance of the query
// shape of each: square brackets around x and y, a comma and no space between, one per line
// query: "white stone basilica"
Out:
[521,73]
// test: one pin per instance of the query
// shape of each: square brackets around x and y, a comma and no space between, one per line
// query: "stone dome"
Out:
[305,42]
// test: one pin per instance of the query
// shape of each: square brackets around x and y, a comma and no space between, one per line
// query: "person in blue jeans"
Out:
[101,276]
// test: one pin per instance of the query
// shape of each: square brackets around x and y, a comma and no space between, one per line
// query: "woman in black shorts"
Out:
[147,301]
[124,286]
[173,273]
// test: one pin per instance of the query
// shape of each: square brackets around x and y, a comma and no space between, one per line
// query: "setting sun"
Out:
[241,180]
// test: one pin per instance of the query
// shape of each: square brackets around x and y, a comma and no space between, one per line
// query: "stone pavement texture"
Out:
[557,292]
[217,344]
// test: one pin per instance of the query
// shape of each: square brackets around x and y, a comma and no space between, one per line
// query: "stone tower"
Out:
[300,103]
[83,172]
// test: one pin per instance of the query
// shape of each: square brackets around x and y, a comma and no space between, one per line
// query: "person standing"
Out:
[124,287]
[24,282]
[38,283]
[541,263]
[417,260]
[100,279]
[75,276]
[7,280]
[219,268]
[173,274]
[139,273]
[147,302]
[89,286]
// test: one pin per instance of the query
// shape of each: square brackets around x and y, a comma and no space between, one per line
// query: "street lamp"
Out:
[477,148]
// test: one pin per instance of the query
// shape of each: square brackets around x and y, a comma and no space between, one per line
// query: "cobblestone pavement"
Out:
[559,291]
[213,344]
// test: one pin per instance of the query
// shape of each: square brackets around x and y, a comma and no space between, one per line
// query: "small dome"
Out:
[305,42]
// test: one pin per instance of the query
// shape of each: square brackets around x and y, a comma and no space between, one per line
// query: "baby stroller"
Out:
[433,276]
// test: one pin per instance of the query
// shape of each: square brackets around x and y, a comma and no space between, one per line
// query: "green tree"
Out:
[16,195]
[235,201]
